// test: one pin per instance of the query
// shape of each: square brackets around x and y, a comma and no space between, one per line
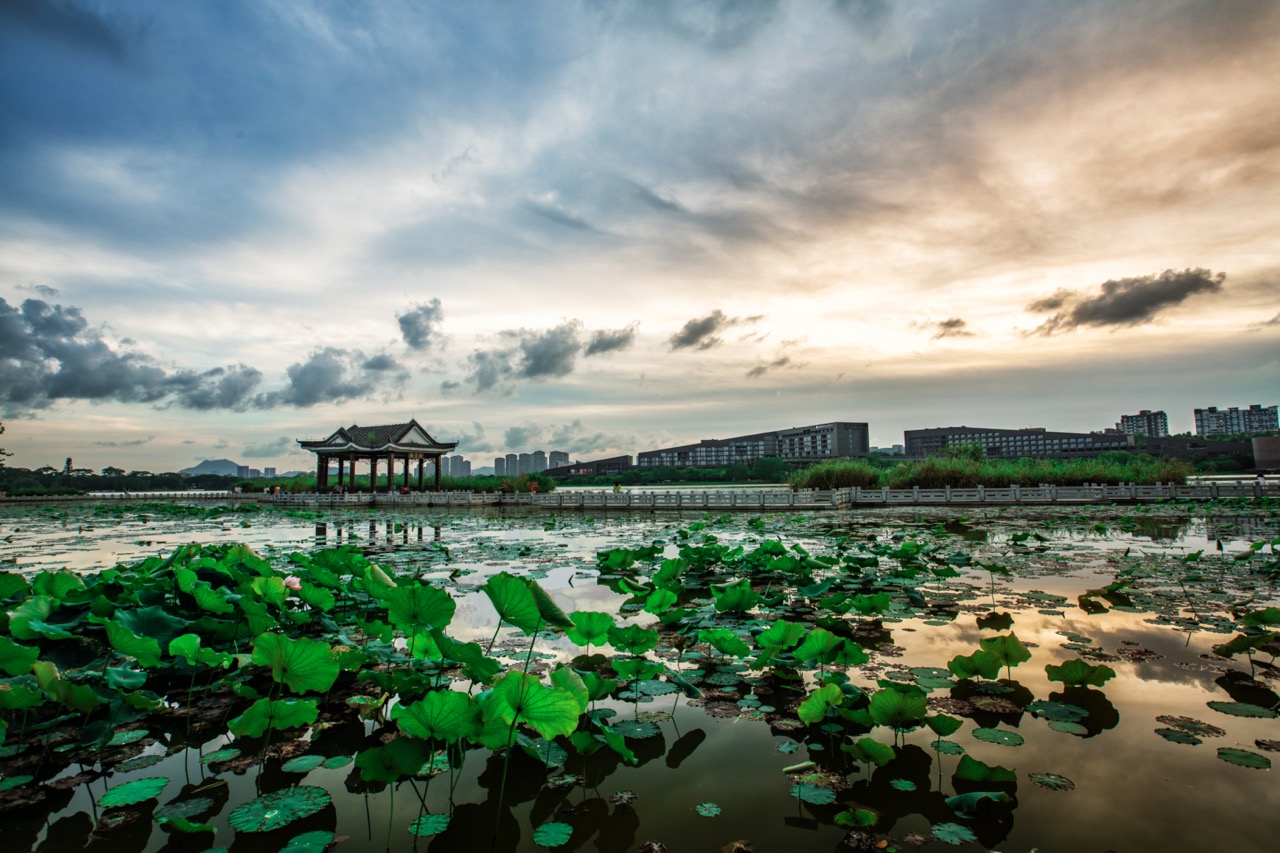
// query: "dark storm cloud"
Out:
[703,332]
[328,375]
[605,340]
[572,437]
[49,353]
[952,327]
[1125,301]
[381,362]
[527,354]
[220,388]
[420,325]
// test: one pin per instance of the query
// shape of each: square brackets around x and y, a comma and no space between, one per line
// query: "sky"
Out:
[607,227]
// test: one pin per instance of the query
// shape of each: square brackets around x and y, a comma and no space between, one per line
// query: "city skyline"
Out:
[610,227]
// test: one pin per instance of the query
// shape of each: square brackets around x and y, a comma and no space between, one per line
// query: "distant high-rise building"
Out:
[1031,443]
[445,467]
[835,440]
[242,471]
[1232,421]
[538,459]
[525,463]
[268,472]
[557,459]
[1146,422]
[500,466]
[459,467]
[513,465]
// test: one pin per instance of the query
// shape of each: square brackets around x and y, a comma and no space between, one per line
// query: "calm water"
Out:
[1131,789]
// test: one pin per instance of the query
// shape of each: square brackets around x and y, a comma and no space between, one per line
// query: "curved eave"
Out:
[389,447]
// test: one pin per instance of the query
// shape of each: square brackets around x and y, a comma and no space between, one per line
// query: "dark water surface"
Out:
[1125,788]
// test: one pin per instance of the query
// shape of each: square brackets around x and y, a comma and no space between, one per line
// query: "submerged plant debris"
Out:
[358,680]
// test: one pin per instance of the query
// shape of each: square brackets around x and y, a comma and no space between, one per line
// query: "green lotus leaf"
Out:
[814,708]
[302,764]
[898,710]
[638,729]
[571,682]
[15,781]
[1244,758]
[807,792]
[1242,709]
[633,639]
[953,833]
[1256,618]
[818,645]
[338,761]
[982,664]
[858,818]
[1057,711]
[404,756]
[1052,781]
[137,791]
[217,600]
[49,631]
[12,584]
[226,754]
[278,808]
[524,699]
[445,715]
[736,597]
[475,665]
[278,714]
[415,607]
[58,585]
[255,612]
[948,747]
[976,771]
[37,607]
[301,664]
[659,601]
[154,622]
[547,608]
[514,602]
[309,842]
[637,668]
[902,784]
[707,809]
[184,808]
[1078,673]
[124,678]
[870,751]
[589,627]
[1000,736]
[80,697]
[966,805]
[725,641]
[17,697]
[781,634]
[1007,648]
[1068,727]
[429,824]
[124,738]
[1179,736]
[16,659]
[185,825]
[552,834]
[942,725]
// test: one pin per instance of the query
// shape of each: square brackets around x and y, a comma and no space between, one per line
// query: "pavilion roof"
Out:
[406,437]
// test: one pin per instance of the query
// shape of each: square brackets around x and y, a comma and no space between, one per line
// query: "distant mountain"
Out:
[213,466]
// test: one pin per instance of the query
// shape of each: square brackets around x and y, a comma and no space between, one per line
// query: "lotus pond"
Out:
[191,678]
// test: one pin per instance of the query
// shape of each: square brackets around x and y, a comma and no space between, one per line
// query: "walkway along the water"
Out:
[810,499]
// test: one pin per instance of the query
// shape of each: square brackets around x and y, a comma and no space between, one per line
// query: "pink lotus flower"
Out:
[293,582]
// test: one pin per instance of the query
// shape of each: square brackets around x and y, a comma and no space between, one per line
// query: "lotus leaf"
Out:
[1007,648]
[415,607]
[145,650]
[137,791]
[1241,709]
[898,710]
[817,795]
[429,824]
[707,809]
[953,833]
[870,751]
[524,699]
[1052,781]
[273,714]
[552,834]
[1000,736]
[814,708]
[302,764]
[633,639]
[735,597]
[278,808]
[185,825]
[514,602]
[440,715]
[1078,673]
[1244,758]
[301,664]
[983,664]
[154,622]
[16,659]
[309,842]
[976,771]
[967,805]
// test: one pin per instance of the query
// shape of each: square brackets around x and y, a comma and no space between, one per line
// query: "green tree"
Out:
[3,452]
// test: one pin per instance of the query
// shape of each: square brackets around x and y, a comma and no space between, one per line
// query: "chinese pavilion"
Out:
[389,442]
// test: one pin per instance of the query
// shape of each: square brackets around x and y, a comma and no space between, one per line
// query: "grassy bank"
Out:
[939,472]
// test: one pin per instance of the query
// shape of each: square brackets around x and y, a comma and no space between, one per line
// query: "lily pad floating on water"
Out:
[336,762]
[137,791]
[278,808]
[707,809]
[302,764]
[635,729]
[429,824]
[807,792]
[15,781]
[787,747]
[1000,736]
[952,833]
[309,842]
[1052,781]
[552,834]
[1179,736]
[139,763]
[902,784]
[1191,725]
[1241,709]
[1244,758]
[227,754]
[1057,711]
[948,747]
[1068,727]
[184,808]
[127,737]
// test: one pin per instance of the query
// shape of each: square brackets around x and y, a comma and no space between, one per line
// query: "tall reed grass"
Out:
[938,472]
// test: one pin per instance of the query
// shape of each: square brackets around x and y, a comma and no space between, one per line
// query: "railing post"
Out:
[946,490]
[982,494]
[1016,490]
[884,494]
[915,494]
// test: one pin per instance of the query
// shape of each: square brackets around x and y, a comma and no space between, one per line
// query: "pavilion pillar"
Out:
[322,472]
[391,473]
[373,473]
[342,467]
[437,472]
[420,460]
[404,481]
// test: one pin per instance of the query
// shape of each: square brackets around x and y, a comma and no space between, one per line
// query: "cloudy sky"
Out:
[605,227]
